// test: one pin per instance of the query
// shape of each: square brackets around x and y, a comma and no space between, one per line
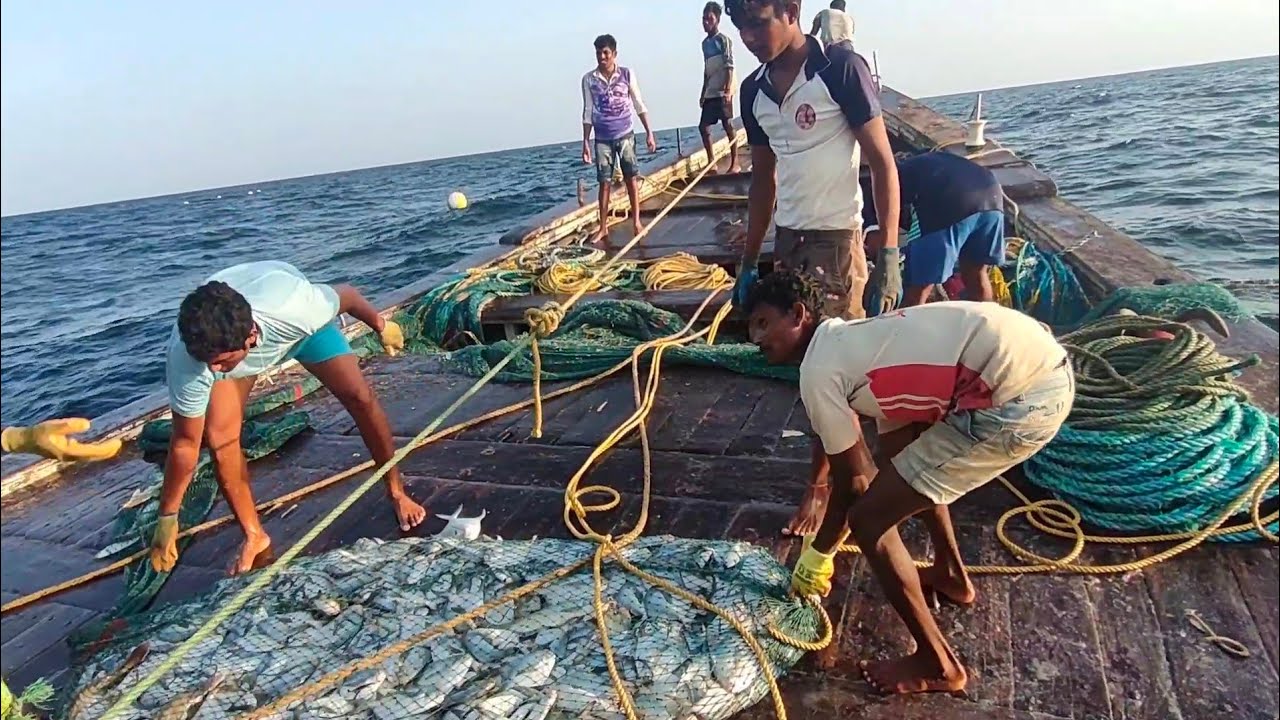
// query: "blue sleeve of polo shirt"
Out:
[848,79]
[755,134]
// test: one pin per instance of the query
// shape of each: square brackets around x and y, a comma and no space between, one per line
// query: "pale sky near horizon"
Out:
[110,101]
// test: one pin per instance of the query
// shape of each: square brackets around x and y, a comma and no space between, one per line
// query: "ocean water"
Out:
[1185,160]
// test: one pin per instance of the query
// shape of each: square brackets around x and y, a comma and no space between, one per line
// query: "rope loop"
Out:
[545,320]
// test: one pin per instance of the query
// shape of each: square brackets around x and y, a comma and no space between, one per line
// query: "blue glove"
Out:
[886,281]
[747,277]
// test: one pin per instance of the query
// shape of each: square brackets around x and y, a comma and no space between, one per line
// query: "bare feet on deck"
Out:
[809,515]
[950,586]
[409,514]
[597,238]
[255,552]
[915,673]
[733,165]
[636,226]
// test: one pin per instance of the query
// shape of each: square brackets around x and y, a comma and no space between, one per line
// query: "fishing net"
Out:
[289,652]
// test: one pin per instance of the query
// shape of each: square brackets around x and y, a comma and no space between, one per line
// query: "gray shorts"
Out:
[969,448]
[620,153]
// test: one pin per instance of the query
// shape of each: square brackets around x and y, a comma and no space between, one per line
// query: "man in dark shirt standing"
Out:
[960,208]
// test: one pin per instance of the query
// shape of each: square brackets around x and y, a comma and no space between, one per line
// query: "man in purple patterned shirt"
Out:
[610,93]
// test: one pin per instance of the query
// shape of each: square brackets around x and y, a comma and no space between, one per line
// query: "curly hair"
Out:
[782,289]
[736,7]
[214,319]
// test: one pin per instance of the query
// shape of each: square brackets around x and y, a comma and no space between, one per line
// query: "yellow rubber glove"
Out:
[392,338]
[813,572]
[164,544]
[6,700]
[50,440]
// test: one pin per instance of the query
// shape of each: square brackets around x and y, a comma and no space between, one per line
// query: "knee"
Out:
[223,444]
[358,398]
[866,531]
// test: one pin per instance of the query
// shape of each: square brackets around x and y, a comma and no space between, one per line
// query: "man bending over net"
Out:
[242,322]
[961,392]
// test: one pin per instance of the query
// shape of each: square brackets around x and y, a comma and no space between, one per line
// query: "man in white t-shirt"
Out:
[240,323]
[960,391]
[833,25]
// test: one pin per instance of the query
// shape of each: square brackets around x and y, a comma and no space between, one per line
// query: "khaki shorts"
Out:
[835,258]
[970,448]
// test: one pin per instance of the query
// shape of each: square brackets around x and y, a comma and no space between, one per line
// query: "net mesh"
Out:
[538,656]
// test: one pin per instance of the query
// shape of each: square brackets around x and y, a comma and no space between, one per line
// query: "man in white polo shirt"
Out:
[961,392]
[810,112]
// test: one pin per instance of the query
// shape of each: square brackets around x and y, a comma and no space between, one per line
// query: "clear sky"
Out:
[115,100]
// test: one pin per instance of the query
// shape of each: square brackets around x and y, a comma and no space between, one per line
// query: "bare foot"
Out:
[255,551]
[949,586]
[597,238]
[636,227]
[915,673]
[733,167]
[408,513]
[809,515]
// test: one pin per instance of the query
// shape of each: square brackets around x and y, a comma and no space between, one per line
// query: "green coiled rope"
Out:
[1160,438]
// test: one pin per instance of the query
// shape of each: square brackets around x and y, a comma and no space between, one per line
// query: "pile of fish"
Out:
[538,658]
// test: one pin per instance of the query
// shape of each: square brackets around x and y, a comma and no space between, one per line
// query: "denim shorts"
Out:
[970,448]
[619,153]
[931,259]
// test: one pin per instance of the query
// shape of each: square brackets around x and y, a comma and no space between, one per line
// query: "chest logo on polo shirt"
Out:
[805,116]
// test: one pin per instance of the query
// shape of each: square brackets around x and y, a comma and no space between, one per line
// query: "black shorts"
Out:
[715,110]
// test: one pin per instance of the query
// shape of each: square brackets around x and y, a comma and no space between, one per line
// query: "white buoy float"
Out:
[457,200]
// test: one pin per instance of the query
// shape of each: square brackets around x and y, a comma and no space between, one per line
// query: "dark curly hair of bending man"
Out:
[782,289]
[214,319]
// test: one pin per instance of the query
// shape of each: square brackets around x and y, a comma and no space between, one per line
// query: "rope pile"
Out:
[1160,439]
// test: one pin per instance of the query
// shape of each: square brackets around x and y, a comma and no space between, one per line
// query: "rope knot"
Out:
[544,320]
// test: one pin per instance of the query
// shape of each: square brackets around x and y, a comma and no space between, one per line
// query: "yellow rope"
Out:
[1000,288]
[682,271]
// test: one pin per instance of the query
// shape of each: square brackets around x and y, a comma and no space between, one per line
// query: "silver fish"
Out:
[538,708]
[186,704]
[489,645]
[531,670]
[441,680]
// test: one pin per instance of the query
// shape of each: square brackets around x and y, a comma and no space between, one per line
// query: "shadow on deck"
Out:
[1040,647]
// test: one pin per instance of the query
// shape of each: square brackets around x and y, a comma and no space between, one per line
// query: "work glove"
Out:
[748,274]
[887,280]
[392,338]
[50,439]
[164,543]
[813,571]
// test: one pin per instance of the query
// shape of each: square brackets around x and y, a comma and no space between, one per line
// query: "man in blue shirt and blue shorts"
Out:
[960,209]
[242,322]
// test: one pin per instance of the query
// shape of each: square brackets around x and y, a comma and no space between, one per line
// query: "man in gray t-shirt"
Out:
[716,97]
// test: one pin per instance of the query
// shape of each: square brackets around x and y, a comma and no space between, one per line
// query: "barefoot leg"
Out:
[733,150]
[223,421]
[947,576]
[977,281]
[873,521]
[633,196]
[602,213]
[705,130]
[342,376]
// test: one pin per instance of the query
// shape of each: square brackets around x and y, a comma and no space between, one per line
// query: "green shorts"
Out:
[325,344]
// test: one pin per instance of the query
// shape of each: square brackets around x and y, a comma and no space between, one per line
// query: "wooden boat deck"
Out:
[1038,647]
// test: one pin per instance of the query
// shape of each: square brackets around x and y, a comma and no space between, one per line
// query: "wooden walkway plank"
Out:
[720,425]
[1208,682]
[761,433]
[1257,570]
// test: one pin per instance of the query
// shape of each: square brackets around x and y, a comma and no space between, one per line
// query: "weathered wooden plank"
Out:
[30,565]
[761,433]
[1056,647]
[1133,651]
[689,399]
[600,412]
[1258,572]
[41,652]
[719,426]
[1208,682]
